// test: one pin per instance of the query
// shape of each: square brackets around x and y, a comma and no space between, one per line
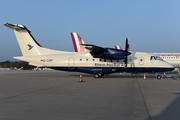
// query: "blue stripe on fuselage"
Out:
[109,70]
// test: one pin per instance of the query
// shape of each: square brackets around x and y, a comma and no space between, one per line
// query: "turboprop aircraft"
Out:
[97,61]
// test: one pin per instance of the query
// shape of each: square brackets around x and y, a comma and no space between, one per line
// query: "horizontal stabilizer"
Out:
[28,59]
[34,64]
[15,26]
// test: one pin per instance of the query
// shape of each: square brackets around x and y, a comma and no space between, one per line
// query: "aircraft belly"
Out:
[109,70]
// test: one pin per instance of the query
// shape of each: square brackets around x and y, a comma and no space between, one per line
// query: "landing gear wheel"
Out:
[100,74]
[159,77]
[96,75]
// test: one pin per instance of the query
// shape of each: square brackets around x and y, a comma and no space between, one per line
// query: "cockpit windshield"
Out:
[156,58]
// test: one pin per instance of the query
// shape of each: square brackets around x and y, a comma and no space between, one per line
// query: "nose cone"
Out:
[169,67]
[128,53]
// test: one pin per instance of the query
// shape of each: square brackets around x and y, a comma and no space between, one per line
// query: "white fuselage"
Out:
[74,59]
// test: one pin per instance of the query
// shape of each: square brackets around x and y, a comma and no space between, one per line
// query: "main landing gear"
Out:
[98,75]
[159,77]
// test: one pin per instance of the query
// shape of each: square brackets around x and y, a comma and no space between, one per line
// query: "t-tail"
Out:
[28,45]
[77,40]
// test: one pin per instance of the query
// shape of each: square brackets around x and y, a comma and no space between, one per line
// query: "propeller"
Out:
[126,52]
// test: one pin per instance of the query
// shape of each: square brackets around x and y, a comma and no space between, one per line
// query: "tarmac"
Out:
[57,95]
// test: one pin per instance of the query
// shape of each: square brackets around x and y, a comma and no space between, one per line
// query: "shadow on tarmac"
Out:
[171,112]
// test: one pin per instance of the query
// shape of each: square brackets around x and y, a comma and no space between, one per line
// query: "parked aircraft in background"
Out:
[77,40]
[118,47]
[98,61]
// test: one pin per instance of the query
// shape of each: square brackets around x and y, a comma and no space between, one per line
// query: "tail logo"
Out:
[30,46]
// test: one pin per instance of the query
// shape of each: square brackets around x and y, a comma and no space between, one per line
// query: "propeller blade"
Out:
[126,52]
[126,61]
[126,45]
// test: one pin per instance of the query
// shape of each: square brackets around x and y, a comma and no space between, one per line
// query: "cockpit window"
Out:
[152,58]
[155,58]
[158,58]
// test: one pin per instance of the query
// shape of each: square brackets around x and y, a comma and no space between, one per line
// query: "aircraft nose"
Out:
[171,68]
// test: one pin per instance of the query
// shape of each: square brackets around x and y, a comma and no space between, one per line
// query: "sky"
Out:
[150,25]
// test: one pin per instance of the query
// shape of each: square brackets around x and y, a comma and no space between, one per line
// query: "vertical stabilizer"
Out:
[27,44]
[77,40]
[118,47]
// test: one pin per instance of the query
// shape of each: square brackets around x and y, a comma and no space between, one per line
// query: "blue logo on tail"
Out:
[30,46]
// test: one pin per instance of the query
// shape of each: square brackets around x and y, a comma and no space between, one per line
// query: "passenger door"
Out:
[71,63]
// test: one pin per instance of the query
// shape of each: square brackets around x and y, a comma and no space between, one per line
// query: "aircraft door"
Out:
[71,63]
[141,60]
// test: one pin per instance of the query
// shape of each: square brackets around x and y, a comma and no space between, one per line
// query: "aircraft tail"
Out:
[118,47]
[28,45]
[77,40]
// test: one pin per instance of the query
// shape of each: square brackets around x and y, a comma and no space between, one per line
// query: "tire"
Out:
[159,77]
[96,75]
[101,75]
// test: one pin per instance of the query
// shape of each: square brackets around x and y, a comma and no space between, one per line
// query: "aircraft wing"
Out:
[95,49]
